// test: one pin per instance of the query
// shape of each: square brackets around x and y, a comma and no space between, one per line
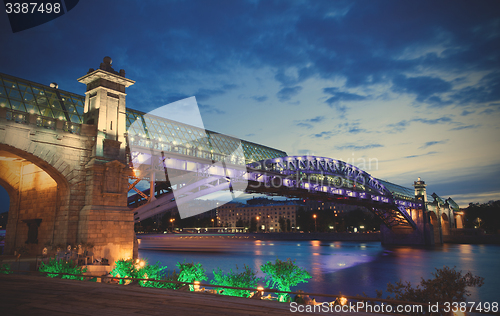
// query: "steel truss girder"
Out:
[392,212]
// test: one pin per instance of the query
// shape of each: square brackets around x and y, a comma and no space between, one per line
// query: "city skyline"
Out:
[412,86]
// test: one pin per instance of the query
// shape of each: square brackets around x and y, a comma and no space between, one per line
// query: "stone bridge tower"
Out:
[106,220]
[67,181]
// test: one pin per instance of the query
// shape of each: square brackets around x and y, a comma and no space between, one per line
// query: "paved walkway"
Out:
[33,295]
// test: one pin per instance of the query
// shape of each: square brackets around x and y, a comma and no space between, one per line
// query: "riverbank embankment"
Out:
[32,295]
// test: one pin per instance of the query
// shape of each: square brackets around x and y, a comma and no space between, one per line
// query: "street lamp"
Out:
[258,223]
[172,222]
[213,223]
[315,227]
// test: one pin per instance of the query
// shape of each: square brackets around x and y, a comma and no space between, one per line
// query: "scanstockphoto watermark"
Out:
[355,307]
[311,173]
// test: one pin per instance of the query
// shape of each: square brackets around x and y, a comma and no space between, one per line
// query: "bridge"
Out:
[71,163]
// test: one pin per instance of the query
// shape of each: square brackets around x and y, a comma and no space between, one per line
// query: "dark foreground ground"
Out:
[33,295]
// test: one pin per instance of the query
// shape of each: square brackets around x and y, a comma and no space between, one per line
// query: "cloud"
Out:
[205,94]
[458,128]
[325,135]
[432,143]
[488,111]
[440,120]
[423,87]
[356,130]
[358,147]
[287,93]
[465,112]
[308,123]
[250,135]
[485,91]
[210,109]
[402,125]
[338,96]
[259,98]
[421,155]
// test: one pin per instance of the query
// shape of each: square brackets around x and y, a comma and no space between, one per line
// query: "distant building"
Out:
[269,211]
[266,214]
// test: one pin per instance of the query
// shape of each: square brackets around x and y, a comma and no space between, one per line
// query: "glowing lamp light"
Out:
[196,285]
[342,300]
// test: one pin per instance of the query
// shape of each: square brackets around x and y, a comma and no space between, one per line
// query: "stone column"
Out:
[105,220]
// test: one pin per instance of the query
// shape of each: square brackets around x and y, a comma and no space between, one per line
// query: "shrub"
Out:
[172,277]
[124,269]
[135,269]
[283,275]
[246,278]
[190,272]
[5,269]
[61,266]
[152,272]
[448,285]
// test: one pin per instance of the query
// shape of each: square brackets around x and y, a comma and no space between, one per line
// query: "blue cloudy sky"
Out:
[412,85]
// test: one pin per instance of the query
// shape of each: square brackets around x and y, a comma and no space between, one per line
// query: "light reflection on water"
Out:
[349,267]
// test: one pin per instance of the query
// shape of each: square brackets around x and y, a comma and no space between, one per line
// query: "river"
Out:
[348,267]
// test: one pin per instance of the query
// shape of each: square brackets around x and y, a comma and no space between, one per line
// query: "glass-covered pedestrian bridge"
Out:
[22,97]
[50,104]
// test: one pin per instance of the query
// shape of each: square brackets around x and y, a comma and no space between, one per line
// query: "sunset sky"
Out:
[412,85]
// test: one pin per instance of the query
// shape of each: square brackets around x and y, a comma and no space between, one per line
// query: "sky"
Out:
[411,86]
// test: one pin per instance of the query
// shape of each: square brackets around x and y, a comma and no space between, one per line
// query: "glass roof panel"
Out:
[45,101]
[14,94]
[4,103]
[17,105]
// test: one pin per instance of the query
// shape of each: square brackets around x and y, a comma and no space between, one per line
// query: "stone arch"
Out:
[435,226]
[433,218]
[39,193]
[445,224]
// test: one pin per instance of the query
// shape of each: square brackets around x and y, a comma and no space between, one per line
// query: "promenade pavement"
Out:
[35,295]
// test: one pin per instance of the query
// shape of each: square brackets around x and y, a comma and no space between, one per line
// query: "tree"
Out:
[283,275]
[282,223]
[240,223]
[448,285]
[190,272]
[253,225]
[488,213]
[247,279]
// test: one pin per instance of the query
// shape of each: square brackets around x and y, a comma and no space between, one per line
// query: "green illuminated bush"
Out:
[56,267]
[152,272]
[190,272]
[132,269]
[283,275]
[172,277]
[5,269]
[246,278]
[124,269]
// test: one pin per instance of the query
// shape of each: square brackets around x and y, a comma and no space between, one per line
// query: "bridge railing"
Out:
[40,121]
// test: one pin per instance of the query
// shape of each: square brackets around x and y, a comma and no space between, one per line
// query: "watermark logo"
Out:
[170,144]
[24,15]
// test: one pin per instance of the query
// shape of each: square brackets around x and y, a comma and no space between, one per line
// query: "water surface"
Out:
[348,267]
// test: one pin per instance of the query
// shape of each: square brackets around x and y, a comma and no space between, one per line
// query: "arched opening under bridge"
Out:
[37,194]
